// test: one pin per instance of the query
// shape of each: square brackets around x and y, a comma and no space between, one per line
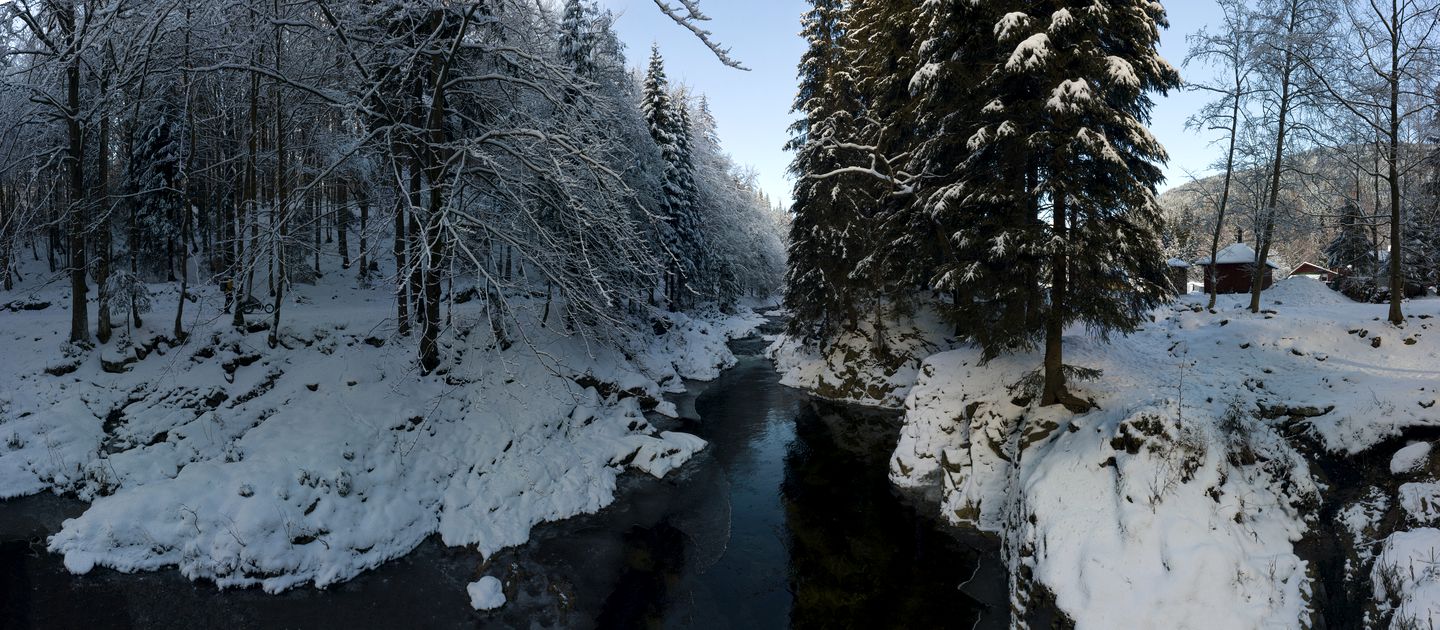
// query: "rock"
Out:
[486,594]
[61,369]
[1375,342]
[1272,412]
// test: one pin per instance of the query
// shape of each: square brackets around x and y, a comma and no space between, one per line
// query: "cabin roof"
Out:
[1236,254]
[1309,267]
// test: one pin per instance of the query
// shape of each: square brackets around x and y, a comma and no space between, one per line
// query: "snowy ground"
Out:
[1177,502]
[330,455]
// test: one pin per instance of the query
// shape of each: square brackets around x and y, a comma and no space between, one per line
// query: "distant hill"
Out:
[1316,185]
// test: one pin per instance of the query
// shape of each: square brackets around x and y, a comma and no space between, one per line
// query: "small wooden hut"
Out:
[1179,275]
[1233,268]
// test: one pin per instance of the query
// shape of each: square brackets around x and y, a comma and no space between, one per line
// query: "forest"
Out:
[504,145]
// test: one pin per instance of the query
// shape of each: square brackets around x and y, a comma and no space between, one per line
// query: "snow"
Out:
[486,594]
[1176,262]
[1362,520]
[1405,578]
[1069,95]
[1122,72]
[330,455]
[1009,23]
[1176,502]
[1411,458]
[1305,291]
[1421,501]
[1030,53]
[1236,254]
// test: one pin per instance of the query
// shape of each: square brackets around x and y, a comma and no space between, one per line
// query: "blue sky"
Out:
[753,108]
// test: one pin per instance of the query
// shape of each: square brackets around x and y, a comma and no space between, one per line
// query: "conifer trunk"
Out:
[1054,366]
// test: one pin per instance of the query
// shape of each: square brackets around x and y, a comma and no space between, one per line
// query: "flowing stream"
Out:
[787,519]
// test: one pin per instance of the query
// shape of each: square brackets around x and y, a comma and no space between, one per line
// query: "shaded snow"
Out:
[1421,501]
[315,461]
[875,366]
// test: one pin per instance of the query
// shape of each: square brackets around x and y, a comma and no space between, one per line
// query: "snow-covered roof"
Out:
[1311,269]
[1236,254]
[1176,262]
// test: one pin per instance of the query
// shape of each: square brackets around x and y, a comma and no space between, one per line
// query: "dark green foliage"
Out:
[827,237]
[995,154]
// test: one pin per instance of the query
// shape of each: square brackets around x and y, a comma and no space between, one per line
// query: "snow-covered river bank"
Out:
[787,517]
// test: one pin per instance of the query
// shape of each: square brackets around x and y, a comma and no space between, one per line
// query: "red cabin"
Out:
[1234,266]
[1312,270]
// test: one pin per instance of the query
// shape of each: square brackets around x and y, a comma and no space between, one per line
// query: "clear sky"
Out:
[753,108]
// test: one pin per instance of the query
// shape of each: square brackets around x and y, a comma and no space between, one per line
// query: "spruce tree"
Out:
[1350,253]
[973,214]
[153,184]
[826,240]
[1421,249]
[1070,104]
[880,55]
[695,265]
[578,40]
[668,129]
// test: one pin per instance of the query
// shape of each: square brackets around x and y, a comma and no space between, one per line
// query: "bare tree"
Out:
[1381,69]
[1232,50]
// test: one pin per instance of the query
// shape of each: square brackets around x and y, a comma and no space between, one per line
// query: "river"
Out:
[787,519]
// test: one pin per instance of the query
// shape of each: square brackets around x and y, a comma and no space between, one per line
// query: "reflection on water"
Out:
[786,519]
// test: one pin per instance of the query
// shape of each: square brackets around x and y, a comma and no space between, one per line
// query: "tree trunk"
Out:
[103,326]
[1392,175]
[244,270]
[1214,269]
[1055,391]
[184,272]
[282,194]
[342,223]
[402,276]
[415,247]
[364,198]
[430,332]
[1276,167]
[79,308]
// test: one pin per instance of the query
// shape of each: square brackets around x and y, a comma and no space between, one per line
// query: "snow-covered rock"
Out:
[874,366]
[486,594]
[1406,578]
[1411,458]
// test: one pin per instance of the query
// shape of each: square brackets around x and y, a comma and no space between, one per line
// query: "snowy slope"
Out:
[325,457]
[1176,503]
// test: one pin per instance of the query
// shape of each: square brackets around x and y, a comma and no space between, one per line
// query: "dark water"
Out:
[787,519]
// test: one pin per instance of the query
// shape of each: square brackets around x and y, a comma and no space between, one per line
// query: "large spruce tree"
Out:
[668,129]
[1070,102]
[975,208]
[1351,253]
[827,241]
[880,55]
